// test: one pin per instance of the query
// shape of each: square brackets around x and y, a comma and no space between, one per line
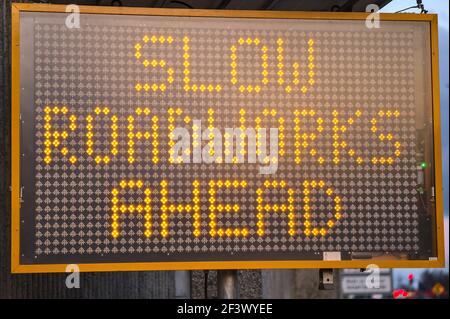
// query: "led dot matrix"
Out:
[107,178]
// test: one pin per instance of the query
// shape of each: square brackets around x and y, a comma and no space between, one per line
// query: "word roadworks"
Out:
[325,136]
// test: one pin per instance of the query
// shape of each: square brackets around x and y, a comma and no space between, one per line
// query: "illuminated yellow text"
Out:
[52,137]
[217,208]
[263,208]
[90,135]
[153,63]
[137,135]
[309,185]
[169,208]
[118,208]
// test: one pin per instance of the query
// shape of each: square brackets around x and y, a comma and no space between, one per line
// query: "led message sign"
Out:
[156,139]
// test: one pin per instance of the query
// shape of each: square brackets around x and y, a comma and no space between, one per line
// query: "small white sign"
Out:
[358,285]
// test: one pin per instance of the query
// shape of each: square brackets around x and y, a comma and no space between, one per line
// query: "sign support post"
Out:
[227,284]
[183,284]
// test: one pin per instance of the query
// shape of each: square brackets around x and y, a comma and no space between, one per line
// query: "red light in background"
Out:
[400,293]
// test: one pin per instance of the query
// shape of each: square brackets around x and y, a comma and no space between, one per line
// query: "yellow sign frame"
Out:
[17,267]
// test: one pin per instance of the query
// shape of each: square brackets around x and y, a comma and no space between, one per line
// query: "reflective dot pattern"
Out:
[107,97]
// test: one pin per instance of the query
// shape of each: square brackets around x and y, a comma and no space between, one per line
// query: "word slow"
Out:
[288,85]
